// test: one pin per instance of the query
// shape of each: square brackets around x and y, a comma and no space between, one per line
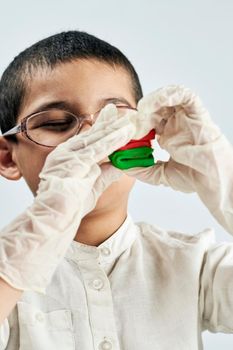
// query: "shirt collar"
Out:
[110,249]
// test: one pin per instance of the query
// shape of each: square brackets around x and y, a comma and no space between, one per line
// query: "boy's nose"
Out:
[91,119]
[88,122]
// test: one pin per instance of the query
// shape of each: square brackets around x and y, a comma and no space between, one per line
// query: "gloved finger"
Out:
[169,173]
[107,115]
[109,143]
[110,113]
[151,115]
[174,96]
[99,130]
[144,123]
[109,138]
[71,160]
[107,176]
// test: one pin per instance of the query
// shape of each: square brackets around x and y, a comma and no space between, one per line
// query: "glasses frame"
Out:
[83,119]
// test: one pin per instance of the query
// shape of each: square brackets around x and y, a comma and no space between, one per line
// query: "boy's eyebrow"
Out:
[50,105]
[116,100]
[67,106]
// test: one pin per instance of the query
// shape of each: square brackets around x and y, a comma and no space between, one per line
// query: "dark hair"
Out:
[47,53]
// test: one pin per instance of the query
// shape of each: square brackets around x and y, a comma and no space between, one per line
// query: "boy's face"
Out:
[86,86]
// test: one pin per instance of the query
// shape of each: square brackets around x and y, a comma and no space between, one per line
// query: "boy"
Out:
[76,272]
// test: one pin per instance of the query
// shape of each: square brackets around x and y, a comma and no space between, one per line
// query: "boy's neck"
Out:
[97,227]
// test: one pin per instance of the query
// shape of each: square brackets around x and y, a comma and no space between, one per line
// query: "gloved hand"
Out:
[201,158]
[71,183]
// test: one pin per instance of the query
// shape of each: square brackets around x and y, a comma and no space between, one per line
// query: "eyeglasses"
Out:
[54,126]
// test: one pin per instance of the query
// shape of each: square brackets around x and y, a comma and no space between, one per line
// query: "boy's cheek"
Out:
[31,167]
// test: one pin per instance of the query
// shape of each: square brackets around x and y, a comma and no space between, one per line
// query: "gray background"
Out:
[182,42]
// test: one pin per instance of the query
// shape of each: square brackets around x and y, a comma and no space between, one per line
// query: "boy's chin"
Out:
[115,194]
[105,199]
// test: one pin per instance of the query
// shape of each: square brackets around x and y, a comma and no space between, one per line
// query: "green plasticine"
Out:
[134,157]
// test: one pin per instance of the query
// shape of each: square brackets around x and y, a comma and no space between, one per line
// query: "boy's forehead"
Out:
[79,73]
[83,81]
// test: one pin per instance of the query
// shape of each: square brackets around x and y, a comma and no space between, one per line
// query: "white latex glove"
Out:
[71,183]
[201,157]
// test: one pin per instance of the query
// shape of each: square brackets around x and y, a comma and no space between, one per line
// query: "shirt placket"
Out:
[100,304]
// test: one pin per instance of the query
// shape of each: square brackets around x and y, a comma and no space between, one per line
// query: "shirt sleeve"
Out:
[4,334]
[216,289]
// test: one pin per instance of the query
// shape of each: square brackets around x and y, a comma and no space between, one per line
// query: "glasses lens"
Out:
[50,128]
[121,110]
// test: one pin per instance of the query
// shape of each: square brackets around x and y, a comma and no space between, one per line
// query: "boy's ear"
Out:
[8,168]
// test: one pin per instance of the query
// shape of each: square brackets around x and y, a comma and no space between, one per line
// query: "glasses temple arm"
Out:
[13,131]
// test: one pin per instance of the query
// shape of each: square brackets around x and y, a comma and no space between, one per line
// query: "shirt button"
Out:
[105,345]
[97,283]
[39,317]
[105,251]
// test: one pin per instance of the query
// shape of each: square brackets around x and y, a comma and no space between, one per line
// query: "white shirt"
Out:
[143,288]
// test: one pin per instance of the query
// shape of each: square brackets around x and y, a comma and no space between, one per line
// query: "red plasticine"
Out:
[135,144]
[143,142]
[149,136]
